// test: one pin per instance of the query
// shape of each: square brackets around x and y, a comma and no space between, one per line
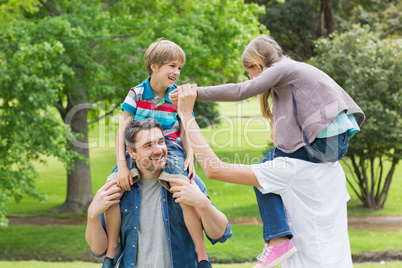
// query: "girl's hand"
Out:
[189,165]
[124,179]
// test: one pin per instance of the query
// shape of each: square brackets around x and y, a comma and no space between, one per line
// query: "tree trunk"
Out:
[329,16]
[79,185]
[326,19]
[320,29]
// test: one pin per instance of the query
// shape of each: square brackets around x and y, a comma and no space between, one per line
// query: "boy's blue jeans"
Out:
[270,205]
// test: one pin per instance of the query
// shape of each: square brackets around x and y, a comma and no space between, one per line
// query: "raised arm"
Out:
[213,167]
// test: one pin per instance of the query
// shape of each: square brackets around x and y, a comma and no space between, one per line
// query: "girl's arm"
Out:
[213,167]
[273,76]
[269,78]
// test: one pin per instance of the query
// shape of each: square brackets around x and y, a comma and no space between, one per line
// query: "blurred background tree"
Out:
[60,59]
[369,68]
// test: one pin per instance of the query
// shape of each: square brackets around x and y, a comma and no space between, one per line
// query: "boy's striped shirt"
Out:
[141,102]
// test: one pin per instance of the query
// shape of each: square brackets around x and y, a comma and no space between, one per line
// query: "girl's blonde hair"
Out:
[263,50]
[161,52]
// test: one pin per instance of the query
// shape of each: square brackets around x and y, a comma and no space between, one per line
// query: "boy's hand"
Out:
[174,95]
[189,165]
[124,179]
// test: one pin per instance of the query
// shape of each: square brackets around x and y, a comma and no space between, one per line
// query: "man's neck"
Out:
[146,174]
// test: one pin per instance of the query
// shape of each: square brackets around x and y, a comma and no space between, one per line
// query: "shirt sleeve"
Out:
[269,78]
[130,102]
[275,176]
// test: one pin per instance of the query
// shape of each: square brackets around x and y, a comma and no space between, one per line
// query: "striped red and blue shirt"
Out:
[141,102]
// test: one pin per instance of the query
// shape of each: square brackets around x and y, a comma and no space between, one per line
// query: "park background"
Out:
[65,67]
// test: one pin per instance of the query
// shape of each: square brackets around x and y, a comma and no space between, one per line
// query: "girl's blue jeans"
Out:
[270,205]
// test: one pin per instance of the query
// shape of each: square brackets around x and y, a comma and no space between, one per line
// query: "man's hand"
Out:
[188,193]
[108,195]
[186,100]
[124,179]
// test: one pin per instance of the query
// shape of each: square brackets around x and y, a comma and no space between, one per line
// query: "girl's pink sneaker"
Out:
[272,255]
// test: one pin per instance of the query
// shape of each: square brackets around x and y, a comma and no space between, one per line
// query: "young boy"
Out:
[163,61]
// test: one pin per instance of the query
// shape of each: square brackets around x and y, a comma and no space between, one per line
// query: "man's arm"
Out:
[95,235]
[213,167]
[189,163]
[213,221]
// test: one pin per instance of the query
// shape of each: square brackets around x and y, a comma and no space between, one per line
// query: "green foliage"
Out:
[368,68]
[61,55]
[381,16]
[293,25]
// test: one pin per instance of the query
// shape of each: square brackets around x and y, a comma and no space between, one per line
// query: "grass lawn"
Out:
[240,141]
[39,264]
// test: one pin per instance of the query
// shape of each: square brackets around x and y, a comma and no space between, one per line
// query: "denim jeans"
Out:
[270,205]
[321,150]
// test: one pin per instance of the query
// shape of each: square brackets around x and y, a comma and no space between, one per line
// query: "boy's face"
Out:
[166,74]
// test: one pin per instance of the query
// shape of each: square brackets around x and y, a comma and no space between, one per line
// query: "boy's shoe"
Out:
[204,264]
[108,263]
[272,255]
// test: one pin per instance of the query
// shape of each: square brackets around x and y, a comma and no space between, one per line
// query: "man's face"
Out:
[150,150]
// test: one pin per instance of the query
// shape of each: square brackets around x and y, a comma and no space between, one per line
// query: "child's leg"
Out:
[276,230]
[175,165]
[113,222]
[321,150]
[275,226]
[194,227]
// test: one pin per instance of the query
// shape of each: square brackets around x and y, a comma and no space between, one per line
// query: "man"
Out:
[314,194]
[153,232]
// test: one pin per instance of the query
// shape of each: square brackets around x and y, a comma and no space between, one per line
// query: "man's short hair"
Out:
[161,52]
[136,126]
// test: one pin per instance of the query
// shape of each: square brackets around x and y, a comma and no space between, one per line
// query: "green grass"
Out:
[39,264]
[67,243]
[246,108]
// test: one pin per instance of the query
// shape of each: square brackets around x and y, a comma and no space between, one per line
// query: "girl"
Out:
[313,116]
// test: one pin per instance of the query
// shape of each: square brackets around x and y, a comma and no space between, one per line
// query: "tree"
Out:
[367,67]
[68,56]
[293,24]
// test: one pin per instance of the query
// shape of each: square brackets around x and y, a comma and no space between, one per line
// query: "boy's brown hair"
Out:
[161,52]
